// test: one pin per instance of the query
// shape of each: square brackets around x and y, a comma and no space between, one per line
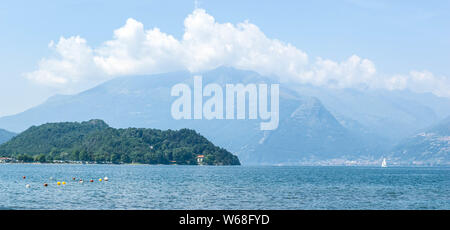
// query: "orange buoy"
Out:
[24,177]
[45,185]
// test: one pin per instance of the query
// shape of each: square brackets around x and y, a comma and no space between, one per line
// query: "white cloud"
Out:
[136,51]
[207,44]
[353,72]
[73,61]
[420,81]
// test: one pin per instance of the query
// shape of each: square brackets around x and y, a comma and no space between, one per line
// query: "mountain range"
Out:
[5,136]
[430,146]
[316,126]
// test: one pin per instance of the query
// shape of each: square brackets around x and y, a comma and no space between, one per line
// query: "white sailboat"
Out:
[384,164]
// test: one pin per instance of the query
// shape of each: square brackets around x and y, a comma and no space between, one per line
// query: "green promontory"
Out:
[95,141]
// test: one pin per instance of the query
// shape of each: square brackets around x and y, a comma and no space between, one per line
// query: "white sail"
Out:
[384,164]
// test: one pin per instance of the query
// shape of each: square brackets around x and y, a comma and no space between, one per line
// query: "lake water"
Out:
[227,187]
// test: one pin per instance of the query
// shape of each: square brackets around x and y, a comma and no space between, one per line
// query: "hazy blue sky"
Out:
[397,36]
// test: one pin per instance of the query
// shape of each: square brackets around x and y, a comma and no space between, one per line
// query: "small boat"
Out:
[384,164]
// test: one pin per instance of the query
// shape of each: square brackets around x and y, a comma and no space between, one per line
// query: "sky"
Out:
[64,47]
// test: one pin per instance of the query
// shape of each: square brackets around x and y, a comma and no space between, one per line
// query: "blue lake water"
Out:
[227,187]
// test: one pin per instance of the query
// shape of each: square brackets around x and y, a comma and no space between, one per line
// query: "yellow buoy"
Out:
[64,182]
[100,179]
[58,183]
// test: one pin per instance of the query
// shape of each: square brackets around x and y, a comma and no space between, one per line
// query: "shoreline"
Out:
[324,166]
[38,163]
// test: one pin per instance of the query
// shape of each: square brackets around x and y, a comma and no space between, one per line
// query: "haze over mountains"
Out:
[392,114]
[5,136]
[317,125]
[428,146]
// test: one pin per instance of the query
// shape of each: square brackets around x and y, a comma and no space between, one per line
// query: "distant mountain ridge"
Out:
[5,136]
[428,147]
[95,141]
[316,124]
[390,114]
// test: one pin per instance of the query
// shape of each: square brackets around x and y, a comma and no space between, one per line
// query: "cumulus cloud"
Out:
[419,81]
[136,51]
[72,62]
[352,72]
[207,44]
